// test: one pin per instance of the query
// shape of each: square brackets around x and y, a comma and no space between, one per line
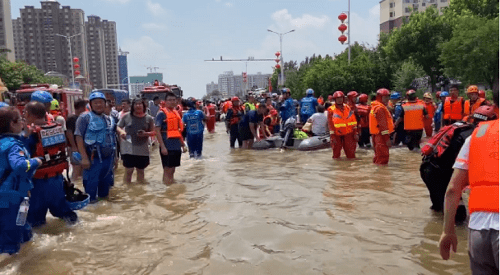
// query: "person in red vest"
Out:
[453,107]
[474,100]
[321,101]
[381,126]
[343,127]
[476,166]
[413,115]
[431,110]
[210,114]
[363,126]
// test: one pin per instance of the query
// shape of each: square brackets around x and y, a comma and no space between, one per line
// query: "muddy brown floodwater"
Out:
[254,212]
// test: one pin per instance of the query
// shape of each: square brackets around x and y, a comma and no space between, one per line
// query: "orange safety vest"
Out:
[468,109]
[51,145]
[174,123]
[228,105]
[483,168]
[344,121]
[363,113]
[372,119]
[431,109]
[261,131]
[211,110]
[453,110]
[414,115]
[234,118]
[321,101]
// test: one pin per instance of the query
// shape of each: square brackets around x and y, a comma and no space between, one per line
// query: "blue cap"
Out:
[96,95]
[395,95]
[42,96]
[3,104]
[444,93]
[310,91]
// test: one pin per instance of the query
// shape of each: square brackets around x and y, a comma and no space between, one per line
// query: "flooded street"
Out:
[254,212]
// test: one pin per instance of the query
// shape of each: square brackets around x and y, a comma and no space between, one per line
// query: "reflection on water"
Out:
[253,212]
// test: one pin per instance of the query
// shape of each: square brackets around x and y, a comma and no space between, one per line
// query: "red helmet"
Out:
[273,112]
[437,94]
[472,89]
[338,94]
[363,98]
[482,94]
[330,97]
[235,98]
[352,94]
[485,112]
[410,92]
[383,92]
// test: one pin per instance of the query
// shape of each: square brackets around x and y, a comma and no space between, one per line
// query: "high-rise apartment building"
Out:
[231,85]
[212,87]
[123,69]
[6,31]
[41,37]
[394,12]
[111,51]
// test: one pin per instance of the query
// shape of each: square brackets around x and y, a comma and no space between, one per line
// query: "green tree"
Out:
[16,73]
[480,8]
[472,53]
[404,76]
[419,39]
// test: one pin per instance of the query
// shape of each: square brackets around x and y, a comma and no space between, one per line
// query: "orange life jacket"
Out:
[270,127]
[431,109]
[174,123]
[453,110]
[414,115]
[468,109]
[234,118]
[321,101]
[227,105]
[49,118]
[344,121]
[373,123]
[483,168]
[51,146]
[211,110]
[363,113]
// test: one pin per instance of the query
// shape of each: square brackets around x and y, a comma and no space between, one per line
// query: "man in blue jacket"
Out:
[308,106]
[193,120]
[287,109]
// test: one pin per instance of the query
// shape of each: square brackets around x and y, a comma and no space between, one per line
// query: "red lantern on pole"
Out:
[77,66]
[277,66]
[342,17]
[342,28]
[277,54]
[76,59]
[342,39]
[277,60]
[77,72]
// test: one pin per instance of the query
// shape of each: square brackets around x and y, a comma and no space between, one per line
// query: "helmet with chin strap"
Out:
[42,96]
[338,94]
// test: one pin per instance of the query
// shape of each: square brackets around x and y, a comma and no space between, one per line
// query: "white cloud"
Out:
[283,19]
[153,26]
[228,4]
[217,1]
[365,29]
[155,8]
[145,52]
[118,1]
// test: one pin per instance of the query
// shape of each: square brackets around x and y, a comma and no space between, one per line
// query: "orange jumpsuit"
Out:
[343,128]
[381,125]
[211,118]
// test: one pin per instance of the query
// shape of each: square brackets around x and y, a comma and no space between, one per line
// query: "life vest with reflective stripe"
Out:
[251,106]
[372,119]
[363,113]
[440,142]
[344,121]
[453,110]
[414,116]
[174,123]
[431,109]
[50,146]
[483,168]
[468,109]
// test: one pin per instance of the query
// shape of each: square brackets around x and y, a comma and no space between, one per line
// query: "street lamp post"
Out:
[70,53]
[281,52]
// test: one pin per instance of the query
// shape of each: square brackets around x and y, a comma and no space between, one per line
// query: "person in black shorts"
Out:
[248,125]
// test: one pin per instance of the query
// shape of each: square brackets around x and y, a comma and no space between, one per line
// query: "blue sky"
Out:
[177,36]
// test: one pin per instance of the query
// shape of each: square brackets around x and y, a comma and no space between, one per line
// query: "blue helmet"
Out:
[96,95]
[444,93]
[3,104]
[285,90]
[395,95]
[42,96]
[310,91]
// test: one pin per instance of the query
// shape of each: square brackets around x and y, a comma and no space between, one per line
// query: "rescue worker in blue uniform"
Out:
[308,106]
[16,170]
[48,191]
[193,120]
[95,138]
[287,109]
[399,133]
[439,110]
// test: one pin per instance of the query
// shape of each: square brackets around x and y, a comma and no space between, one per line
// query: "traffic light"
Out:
[342,28]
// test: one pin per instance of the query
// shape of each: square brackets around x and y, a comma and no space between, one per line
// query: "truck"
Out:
[160,90]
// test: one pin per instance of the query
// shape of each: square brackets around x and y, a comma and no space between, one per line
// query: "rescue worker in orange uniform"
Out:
[352,96]
[413,115]
[343,127]
[233,118]
[474,100]
[476,166]
[321,101]
[431,110]
[381,126]
[363,126]
[210,114]
[482,94]
[453,107]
